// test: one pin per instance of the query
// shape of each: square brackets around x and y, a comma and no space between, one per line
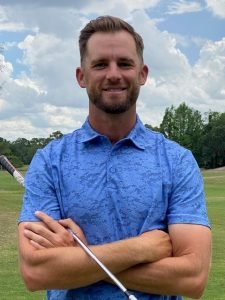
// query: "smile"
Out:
[114,90]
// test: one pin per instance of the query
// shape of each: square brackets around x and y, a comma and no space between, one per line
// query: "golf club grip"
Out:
[11,169]
[7,165]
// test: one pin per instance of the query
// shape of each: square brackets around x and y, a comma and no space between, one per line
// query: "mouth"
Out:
[114,89]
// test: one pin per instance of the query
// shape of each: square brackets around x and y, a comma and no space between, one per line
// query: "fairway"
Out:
[11,285]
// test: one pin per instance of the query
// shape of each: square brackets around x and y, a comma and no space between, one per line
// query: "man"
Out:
[133,196]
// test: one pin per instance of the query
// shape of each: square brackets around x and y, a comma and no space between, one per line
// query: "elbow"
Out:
[197,291]
[200,281]
[197,287]
[30,278]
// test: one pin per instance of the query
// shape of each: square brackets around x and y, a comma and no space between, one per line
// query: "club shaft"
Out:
[19,177]
[106,270]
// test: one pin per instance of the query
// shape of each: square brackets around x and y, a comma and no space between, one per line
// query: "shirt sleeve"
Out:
[187,200]
[40,192]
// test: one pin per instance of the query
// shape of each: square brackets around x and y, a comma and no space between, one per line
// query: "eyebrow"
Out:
[127,60]
[104,60]
[97,61]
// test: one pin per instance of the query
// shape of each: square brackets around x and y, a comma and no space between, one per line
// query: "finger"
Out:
[37,239]
[47,238]
[40,229]
[52,224]
[36,245]
[69,223]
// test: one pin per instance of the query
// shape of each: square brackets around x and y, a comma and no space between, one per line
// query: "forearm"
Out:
[170,276]
[45,264]
[71,267]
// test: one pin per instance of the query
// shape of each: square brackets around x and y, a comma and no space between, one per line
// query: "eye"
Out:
[125,64]
[100,65]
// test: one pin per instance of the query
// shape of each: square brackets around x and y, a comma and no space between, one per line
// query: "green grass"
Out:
[215,192]
[11,285]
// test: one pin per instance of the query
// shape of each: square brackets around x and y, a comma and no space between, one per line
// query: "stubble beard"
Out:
[117,107]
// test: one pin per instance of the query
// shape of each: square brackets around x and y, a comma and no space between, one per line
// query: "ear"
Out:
[143,74]
[80,77]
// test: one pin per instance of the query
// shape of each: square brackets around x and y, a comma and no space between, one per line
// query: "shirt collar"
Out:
[136,135]
[87,133]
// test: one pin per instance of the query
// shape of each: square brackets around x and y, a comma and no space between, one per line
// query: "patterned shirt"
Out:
[114,191]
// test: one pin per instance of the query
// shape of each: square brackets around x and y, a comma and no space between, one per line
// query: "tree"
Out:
[214,140]
[155,128]
[56,135]
[53,136]
[20,149]
[4,147]
[185,126]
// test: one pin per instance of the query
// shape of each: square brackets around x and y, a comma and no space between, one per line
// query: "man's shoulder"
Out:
[56,148]
[161,141]
[67,140]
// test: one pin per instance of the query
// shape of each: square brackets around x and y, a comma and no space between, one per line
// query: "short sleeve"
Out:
[187,200]
[39,193]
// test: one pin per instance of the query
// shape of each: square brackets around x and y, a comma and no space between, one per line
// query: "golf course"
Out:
[11,285]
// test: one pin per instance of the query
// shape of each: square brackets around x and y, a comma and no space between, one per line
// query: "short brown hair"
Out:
[108,24]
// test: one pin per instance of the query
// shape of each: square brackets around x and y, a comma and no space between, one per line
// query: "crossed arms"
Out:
[154,262]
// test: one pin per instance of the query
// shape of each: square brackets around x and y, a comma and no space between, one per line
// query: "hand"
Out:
[51,233]
[156,244]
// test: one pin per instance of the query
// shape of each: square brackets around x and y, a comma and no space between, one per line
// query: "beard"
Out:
[115,105]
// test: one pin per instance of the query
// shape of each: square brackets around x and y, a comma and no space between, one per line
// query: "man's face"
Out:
[112,72]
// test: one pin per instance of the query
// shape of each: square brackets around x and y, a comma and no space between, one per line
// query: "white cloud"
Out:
[201,87]
[12,26]
[3,14]
[26,82]
[6,69]
[52,62]
[22,127]
[217,7]
[3,104]
[21,100]
[210,70]
[162,55]
[67,117]
[46,97]
[183,6]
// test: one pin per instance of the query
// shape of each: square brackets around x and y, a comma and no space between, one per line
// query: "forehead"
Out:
[116,44]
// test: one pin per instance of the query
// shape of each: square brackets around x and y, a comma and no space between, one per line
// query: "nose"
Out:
[113,72]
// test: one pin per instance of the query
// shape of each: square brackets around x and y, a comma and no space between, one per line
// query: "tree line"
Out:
[204,135]
[21,151]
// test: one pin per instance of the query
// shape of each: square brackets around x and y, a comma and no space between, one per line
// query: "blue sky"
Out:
[184,49]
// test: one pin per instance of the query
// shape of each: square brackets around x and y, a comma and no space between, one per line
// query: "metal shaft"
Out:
[19,177]
[106,270]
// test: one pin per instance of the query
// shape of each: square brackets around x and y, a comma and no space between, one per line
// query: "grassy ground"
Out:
[215,192]
[11,285]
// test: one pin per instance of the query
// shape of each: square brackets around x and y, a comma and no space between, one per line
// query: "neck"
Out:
[115,127]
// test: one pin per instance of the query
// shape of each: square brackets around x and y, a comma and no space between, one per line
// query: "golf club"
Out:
[19,177]
[11,169]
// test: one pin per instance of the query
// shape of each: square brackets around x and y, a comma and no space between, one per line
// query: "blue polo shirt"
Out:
[114,191]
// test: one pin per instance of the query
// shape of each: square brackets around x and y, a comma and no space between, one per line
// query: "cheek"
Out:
[132,77]
[94,80]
